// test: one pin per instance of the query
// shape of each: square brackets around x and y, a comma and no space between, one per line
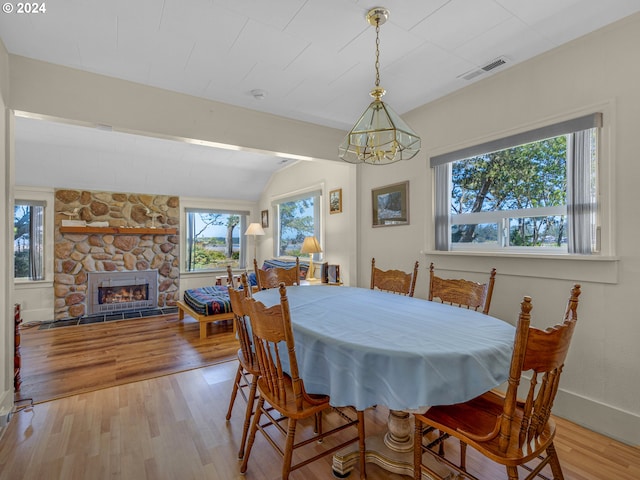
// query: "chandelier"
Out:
[380,136]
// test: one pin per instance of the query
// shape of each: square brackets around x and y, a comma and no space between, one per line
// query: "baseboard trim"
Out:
[605,419]
[37,315]
[6,407]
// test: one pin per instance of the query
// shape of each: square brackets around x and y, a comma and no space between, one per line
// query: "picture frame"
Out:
[335,201]
[264,215]
[390,205]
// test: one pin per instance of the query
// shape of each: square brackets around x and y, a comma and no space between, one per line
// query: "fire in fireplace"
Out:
[127,293]
[120,291]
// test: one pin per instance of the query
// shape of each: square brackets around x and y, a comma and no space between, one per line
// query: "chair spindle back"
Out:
[462,293]
[242,327]
[394,281]
[272,277]
[542,352]
[273,337]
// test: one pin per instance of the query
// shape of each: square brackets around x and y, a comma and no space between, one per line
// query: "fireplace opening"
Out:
[125,294]
[121,291]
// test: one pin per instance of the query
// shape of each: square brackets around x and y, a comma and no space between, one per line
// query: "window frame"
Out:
[318,227]
[43,241]
[592,118]
[243,214]
[502,217]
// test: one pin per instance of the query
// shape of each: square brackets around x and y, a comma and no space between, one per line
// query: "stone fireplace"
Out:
[110,292]
[115,233]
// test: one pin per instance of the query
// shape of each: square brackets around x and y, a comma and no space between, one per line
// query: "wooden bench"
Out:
[204,320]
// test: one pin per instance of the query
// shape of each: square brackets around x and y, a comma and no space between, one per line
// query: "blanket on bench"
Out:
[208,300]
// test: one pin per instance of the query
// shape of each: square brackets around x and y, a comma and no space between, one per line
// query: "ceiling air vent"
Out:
[498,62]
[494,64]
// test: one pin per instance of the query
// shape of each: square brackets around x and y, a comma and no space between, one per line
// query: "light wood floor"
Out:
[61,361]
[174,427]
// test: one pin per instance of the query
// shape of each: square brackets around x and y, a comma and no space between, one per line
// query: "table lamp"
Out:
[254,229]
[310,246]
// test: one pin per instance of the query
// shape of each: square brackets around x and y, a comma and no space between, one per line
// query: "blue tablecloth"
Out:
[366,347]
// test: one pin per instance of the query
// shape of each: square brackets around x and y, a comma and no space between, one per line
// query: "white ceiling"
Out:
[314,59]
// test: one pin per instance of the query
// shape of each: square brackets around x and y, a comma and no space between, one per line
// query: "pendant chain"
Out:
[377,54]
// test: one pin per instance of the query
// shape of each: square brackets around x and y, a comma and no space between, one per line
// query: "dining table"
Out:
[365,347]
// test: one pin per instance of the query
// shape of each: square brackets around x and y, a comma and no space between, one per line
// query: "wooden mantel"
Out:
[119,230]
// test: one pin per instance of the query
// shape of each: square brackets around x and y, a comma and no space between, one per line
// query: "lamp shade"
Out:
[310,245]
[379,137]
[254,229]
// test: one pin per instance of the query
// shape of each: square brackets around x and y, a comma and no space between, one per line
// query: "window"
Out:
[214,239]
[28,240]
[534,192]
[297,217]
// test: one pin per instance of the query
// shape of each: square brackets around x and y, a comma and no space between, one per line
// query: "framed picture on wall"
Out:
[390,205]
[335,201]
[265,218]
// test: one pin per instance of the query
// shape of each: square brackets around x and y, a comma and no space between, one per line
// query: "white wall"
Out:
[6,251]
[601,381]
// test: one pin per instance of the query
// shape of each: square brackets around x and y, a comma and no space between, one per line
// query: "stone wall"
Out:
[76,254]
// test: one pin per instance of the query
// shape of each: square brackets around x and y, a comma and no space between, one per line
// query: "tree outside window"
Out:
[533,191]
[298,217]
[214,240]
[28,240]
[522,180]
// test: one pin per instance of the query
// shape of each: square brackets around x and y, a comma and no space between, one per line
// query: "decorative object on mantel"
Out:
[72,214]
[153,215]
[73,223]
[380,136]
[96,224]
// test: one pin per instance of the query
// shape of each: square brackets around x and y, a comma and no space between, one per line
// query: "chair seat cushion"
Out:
[208,300]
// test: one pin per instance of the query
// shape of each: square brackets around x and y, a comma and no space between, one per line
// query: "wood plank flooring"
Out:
[173,426]
[61,361]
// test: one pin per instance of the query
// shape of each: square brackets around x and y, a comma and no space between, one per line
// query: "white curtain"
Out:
[581,208]
[442,174]
[36,241]
[191,235]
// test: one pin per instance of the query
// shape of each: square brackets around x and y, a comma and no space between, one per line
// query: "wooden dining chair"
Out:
[272,277]
[462,293]
[248,371]
[395,281]
[498,425]
[282,389]
[230,281]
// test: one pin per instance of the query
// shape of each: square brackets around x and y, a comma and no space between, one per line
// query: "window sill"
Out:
[24,284]
[208,273]
[586,268]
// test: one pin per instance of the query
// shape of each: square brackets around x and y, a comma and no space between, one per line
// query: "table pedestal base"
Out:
[392,451]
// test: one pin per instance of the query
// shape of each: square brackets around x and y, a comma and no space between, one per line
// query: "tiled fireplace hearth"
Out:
[126,235]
